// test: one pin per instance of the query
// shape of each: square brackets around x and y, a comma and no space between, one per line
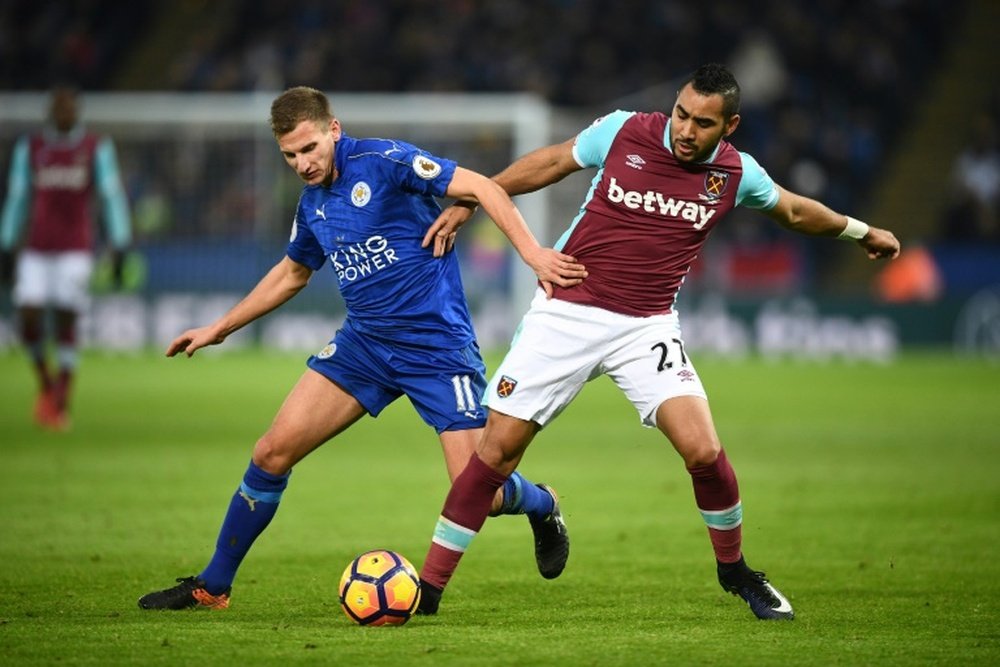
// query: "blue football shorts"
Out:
[444,386]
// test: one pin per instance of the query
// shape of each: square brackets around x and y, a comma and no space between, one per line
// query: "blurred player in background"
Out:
[663,182]
[364,210]
[54,177]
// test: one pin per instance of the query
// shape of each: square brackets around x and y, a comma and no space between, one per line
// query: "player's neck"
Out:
[334,174]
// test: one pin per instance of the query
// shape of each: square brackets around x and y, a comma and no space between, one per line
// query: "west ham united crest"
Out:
[715,184]
[506,386]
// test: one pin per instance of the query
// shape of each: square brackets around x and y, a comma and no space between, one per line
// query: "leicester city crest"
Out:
[361,194]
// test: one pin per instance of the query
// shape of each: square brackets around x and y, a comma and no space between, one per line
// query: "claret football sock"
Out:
[250,511]
[465,510]
[718,497]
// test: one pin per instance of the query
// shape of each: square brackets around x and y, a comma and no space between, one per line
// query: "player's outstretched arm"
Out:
[808,216]
[538,169]
[531,172]
[551,266]
[281,283]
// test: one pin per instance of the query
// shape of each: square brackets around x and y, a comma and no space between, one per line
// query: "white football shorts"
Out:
[560,346]
[60,279]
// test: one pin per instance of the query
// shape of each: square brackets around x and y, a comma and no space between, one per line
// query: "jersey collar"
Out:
[74,135]
[344,147]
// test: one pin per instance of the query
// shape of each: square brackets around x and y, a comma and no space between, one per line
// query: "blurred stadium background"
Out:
[885,109]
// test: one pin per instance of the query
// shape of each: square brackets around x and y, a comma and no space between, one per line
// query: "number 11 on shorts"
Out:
[465,399]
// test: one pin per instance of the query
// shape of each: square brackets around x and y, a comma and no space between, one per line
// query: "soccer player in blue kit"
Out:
[365,208]
[663,182]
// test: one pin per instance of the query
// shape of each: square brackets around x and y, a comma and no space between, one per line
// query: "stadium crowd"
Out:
[829,77]
[825,84]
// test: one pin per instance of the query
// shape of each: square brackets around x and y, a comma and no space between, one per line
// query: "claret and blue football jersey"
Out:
[368,226]
[648,214]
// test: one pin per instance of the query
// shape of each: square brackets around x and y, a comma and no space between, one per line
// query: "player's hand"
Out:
[195,339]
[880,244]
[444,230]
[555,268]
[8,260]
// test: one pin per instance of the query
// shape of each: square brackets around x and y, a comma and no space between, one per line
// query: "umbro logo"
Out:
[634,161]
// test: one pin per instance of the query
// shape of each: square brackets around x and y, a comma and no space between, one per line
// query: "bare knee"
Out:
[504,441]
[687,423]
[270,457]
[700,454]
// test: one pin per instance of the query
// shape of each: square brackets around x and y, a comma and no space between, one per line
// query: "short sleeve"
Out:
[592,144]
[756,190]
[302,244]
[416,170]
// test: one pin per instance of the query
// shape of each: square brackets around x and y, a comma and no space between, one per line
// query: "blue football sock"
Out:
[251,509]
[520,496]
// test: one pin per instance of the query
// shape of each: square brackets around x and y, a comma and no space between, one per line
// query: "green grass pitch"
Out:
[871,498]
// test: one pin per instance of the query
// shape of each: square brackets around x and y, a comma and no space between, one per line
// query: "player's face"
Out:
[64,109]
[697,125]
[309,150]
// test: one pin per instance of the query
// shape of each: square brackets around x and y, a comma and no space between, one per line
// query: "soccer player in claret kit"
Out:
[663,183]
[364,210]
[55,176]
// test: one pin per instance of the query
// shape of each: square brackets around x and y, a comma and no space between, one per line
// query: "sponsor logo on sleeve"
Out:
[425,167]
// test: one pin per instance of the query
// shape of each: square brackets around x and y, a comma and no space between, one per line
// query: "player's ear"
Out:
[731,124]
[335,129]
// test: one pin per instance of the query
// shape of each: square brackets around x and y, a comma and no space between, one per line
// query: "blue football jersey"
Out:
[368,225]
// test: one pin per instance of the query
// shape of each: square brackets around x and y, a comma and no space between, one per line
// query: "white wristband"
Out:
[854,231]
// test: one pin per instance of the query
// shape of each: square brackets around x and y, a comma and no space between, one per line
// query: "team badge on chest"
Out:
[715,184]
[361,194]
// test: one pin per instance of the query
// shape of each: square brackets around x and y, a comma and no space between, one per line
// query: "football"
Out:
[379,588]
